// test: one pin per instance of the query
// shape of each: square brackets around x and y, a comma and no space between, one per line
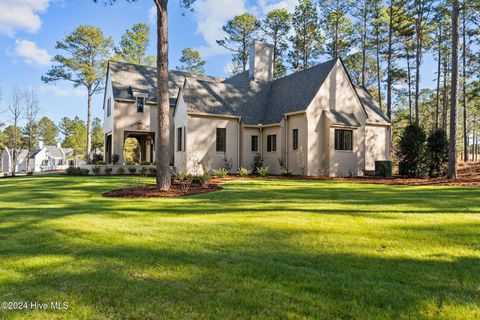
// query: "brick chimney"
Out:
[261,61]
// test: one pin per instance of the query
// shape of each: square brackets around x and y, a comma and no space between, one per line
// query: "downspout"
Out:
[261,141]
[286,141]
[239,141]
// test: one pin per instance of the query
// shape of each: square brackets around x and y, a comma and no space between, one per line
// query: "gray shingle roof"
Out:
[128,78]
[374,113]
[54,151]
[342,118]
[239,96]
[257,103]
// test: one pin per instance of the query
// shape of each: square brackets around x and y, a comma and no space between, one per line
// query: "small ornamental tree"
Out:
[412,153]
[437,152]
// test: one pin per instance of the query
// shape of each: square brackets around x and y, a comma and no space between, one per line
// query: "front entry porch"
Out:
[139,146]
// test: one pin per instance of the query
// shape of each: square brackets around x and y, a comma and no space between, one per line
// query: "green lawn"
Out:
[257,249]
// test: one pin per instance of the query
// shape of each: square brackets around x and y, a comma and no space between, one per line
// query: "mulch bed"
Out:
[468,176]
[150,191]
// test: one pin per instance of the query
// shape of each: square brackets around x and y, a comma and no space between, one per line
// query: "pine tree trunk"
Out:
[389,62]
[464,88]
[452,152]
[364,43]
[445,93]
[409,83]
[378,67]
[439,63]
[89,126]
[163,105]
[418,62]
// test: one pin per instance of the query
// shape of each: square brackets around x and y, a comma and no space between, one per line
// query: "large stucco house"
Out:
[317,120]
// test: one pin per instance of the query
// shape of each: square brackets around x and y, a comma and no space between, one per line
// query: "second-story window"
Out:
[140,104]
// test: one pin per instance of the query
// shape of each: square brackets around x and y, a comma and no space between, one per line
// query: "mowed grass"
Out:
[264,249]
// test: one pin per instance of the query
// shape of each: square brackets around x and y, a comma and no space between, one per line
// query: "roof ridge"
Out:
[306,69]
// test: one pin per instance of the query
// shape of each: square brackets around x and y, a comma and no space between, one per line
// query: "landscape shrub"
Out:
[257,162]
[95,158]
[262,171]
[145,163]
[115,158]
[96,170]
[72,171]
[220,173]
[108,171]
[143,171]
[132,170]
[227,164]
[285,172]
[152,171]
[411,152]
[130,163]
[437,152]
[100,162]
[120,170]
[185,179]
[201,179]
[243,172]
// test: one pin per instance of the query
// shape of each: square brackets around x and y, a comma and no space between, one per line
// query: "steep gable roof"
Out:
[374,113]
[296,91]
[256,103]
[128,78]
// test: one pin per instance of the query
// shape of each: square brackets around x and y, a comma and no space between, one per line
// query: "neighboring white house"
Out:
[42,158]
[316,120]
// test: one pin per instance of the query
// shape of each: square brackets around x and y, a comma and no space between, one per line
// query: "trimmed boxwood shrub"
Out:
[120,170]
[108,171]
[96,170]
[72,171]
[132,170]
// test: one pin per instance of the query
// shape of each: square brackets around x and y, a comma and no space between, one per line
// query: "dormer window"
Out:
[140,104]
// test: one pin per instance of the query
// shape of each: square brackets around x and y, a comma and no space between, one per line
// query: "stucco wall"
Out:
[247,154]
[201,141]
[297,158]
[376,145]
[271,158]
[180,120]
[127,119]
[336,94]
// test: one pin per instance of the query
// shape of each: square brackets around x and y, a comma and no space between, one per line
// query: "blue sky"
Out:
[29,30]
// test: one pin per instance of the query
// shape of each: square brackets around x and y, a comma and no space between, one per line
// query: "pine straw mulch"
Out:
[150,191]
[468,176]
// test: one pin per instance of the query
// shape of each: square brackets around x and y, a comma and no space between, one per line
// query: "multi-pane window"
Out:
[295,139]
[179,139]
[255,143]
[343,139]
[221,140]
[271,143]
[109,107]
[140,104]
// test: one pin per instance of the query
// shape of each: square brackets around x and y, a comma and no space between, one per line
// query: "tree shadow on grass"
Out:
[263,275]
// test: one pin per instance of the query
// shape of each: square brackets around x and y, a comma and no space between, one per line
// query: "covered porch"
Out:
[139,146]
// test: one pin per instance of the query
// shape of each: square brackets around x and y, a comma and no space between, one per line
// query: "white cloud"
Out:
[269,5]
[152,15]
[21,15]
[31,53]
[211,15]
[61,92]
